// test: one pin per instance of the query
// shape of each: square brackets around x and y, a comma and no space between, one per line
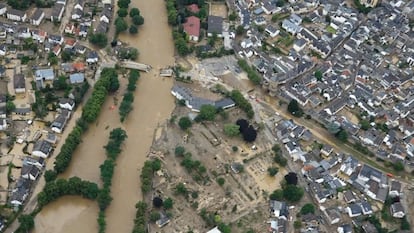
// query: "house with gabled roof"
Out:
[42,149]
[16,15]
[214,26]
[397,210]
[57,12]
[19,83]
[37,17]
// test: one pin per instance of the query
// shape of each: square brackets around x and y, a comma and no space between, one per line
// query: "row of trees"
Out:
[150,166]
[108,82]
[251,72]
[72,186]
[113,149]
[242,103]
[126,105]
[140,221]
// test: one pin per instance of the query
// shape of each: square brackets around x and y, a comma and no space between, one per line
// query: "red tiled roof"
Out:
[70,41]
[193,8]
[192,26]
[78,66]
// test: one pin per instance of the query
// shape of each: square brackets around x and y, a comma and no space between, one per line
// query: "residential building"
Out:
[16,15]
[19,83]
[67,103]
[92,57]
[77,78]
[30,172]
[395,188]
[37,17]
[354,210]
[279,209]
[42,149]
[192,28]
[397,210]
[3,8]
[215,26]
[57,12]
[20,192]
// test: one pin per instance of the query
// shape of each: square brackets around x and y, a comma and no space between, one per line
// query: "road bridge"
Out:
[135,66]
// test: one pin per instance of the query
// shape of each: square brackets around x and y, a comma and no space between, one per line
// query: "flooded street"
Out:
[152,106]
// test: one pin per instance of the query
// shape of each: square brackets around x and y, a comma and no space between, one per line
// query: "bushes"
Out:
[251,73]
[150,166]
[242,103]
[73,186]
[184,123]
[126,105]
[140,221]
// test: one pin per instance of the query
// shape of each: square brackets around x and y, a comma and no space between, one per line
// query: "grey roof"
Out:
[369,228]
[395,186]
[355,208]
[42,146]
[66,101]
[366,206]
[19,81]
[215,24]
[224,103]
[102,27]
[280,206]
[346,228]
[397,207]
[368,171]
[16,12]
[349,196]
[57,8]
[59,122]
[37,14]
[45,73]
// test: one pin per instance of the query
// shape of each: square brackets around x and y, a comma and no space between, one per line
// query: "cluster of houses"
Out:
[367,66]
[329,176]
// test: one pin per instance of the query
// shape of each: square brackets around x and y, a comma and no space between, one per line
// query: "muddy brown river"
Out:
[152,106]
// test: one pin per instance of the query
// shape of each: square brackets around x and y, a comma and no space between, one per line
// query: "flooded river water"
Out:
[152,106]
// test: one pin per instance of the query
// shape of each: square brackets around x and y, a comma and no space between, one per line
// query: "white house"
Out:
[77,14]
[92,57]
[37,17]
[45,74]
[42,149]
[67,103]
[57,12]
[354,210]
[3,8]
[3,50]
[272,31]
[30,172]
[16,15]
[79,5]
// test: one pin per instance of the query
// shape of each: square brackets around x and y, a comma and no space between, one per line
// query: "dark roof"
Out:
[37,14]
[57,8]
[16,12]
[19,81]
[215,24]
[395,186]
[42,146]
[224,103]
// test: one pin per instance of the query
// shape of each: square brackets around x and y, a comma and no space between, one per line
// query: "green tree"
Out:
[138,20]
[239,30]
[10,106]
[66,56]
[133,12]
[405,225]
[133,29]
[221,181]
[181,189]
[294,108]
[318,75]
[104,198]
[26,223]
[154,216]
[398,166]
[293,193]
[168,203]
[184,123]
[365,124]
[50,175]
[342,135]
[122,12]
[308,208]
[272,171]
[61,83]
[233,16]
[120,25]
[124,3]
[277,195]
[207,112]
[98,39]
[297,224]
[179,151]
[231,130]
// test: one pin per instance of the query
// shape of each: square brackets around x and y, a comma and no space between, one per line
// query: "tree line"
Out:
[113,149]
[242,103]
[73,186]
[126,105]
[108,82]
[251,72]
[150,166]
[140,221]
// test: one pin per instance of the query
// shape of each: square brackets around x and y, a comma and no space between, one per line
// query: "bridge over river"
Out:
[135,66]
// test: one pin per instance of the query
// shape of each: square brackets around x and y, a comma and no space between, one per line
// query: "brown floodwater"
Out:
[152,106]
[67,215]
